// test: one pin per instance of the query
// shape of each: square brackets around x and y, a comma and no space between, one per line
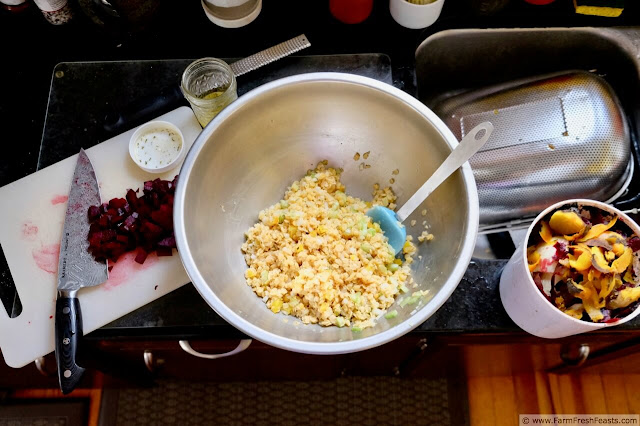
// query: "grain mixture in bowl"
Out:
[317,255]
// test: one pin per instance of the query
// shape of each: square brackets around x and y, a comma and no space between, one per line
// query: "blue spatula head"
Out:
[392,228]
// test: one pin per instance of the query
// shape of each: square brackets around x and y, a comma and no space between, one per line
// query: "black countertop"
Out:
[33,48]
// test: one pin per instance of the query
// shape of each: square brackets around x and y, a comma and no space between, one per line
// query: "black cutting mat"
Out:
[83,93]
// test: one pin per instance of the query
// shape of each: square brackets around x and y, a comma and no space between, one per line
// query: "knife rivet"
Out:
[66,341]
[66,310]
[67,373]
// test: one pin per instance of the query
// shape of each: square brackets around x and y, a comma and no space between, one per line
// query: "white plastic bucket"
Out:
[528,307]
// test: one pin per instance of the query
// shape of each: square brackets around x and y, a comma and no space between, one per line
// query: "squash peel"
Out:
[596,230]
[566,222]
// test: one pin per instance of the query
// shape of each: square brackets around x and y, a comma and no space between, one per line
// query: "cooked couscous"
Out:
[317,255]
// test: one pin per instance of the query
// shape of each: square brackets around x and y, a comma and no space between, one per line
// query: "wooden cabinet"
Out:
[140,362]
[257,362]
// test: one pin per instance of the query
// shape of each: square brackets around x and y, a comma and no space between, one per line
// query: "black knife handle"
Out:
[68,332]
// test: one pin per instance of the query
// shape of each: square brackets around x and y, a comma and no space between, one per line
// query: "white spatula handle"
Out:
[469,145]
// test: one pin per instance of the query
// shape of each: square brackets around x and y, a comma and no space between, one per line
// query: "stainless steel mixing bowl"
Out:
[243,161]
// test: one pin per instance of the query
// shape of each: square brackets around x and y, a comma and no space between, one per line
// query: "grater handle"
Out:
[469,145]
[269,55]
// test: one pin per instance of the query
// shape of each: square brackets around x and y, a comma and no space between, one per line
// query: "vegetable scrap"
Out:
[586,262]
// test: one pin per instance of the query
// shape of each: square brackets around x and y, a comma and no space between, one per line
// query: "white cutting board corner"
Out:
[30,231]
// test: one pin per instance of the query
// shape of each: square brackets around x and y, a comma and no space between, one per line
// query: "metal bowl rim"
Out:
[339,347]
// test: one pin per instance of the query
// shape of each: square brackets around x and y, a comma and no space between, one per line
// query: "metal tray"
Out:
[556,137]
[453,62]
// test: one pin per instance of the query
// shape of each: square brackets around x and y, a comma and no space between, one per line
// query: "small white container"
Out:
[232,13]
[162,150]
[415,16]
[524,302]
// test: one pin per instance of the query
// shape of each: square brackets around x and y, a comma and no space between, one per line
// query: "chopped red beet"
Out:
[163,216]
[141,256]
[163,251]
[93,213]
[117,203]
[169,242]
[124,224]
[634,243]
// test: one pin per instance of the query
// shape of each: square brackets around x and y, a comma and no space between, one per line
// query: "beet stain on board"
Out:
[46,257]
[59,199]
[126,268]
[29,231]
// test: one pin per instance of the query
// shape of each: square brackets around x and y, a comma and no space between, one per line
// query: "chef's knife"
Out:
[76,269]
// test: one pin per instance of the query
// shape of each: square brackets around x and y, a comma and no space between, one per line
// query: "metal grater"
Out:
[556,137]
[269,55]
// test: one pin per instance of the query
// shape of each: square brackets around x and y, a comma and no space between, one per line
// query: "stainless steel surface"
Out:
[469,145]
[186,346]
[76,266]
[453,62]
[556,137]
[245,158]
[269,55]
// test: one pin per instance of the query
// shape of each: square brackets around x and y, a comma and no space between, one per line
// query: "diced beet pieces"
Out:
[163,251]
[128,223]
[93,213]
[634,243]
[132,198]
[141,256]
[163,216]
[103,221]
[124,224]
[168,242]
[117,203]
[150,229]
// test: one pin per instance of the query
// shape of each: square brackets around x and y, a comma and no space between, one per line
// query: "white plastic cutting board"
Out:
[31,220]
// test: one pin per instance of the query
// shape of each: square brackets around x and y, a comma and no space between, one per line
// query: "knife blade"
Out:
[76,269]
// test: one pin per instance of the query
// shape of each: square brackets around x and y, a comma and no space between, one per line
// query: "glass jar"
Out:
[209,85]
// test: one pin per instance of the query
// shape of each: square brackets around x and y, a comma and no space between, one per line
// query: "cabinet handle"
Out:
[574,356]
[42,367]
[151,362]
[186,346]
